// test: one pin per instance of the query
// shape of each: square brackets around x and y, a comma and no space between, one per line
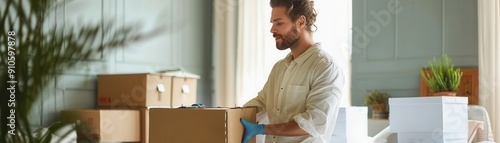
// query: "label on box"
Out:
[161,87]
[185,89]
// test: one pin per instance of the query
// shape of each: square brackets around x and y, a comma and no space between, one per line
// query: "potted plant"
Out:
[379,102]
[442,77]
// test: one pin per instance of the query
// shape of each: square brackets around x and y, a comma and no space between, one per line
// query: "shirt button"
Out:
[278,110]
[282,88]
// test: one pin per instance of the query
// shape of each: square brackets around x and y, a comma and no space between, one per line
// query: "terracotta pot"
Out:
[445,93]
[379,107]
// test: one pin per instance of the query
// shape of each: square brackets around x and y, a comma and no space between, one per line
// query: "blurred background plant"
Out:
[41,55]
[377,99]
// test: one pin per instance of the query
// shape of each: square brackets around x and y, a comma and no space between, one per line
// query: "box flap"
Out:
[235,133]
[432,99]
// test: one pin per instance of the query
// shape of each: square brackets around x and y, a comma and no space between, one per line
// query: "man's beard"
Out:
[289,40]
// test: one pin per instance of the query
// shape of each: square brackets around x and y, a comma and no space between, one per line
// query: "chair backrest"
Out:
[382,136]
[479,113]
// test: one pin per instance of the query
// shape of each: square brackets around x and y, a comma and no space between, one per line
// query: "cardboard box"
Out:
[134,90]
[146,90]
[432,137]
[444,114]
[183,88]
[105,125]
[351,126]
[144,113]
[144,122]
[209,125]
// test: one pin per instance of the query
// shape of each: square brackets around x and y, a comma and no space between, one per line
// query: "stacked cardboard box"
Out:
[206,125]
[134,95]
[105,125]
[146,90]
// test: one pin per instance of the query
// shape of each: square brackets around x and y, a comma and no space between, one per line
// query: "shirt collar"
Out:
[303,57]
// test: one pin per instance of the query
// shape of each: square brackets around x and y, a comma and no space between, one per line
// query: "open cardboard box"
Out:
[203,125]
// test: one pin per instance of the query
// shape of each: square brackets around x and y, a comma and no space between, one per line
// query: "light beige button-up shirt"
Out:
[307,90]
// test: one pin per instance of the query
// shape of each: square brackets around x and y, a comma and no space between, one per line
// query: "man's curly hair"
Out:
[296,8]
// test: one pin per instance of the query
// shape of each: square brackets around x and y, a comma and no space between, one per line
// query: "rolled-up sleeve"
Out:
[322,102]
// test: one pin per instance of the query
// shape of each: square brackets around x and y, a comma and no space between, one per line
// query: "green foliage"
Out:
[376,97]
[41,52]
[442,75]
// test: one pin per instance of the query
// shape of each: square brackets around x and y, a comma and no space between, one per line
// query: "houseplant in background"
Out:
[442,78]
[33,54]
[379,102]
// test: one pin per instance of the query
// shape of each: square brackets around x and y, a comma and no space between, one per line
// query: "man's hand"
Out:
[251,130]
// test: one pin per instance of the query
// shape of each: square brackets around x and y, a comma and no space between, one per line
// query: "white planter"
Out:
[444,114]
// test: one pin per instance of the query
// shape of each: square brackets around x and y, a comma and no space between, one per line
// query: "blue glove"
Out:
[251,130]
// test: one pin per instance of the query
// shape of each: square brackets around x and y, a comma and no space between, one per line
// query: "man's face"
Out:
[284,30]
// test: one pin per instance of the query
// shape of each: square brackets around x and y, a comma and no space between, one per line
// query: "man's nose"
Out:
[272,30]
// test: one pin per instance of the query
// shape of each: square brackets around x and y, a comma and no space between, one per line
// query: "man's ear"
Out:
[301,22]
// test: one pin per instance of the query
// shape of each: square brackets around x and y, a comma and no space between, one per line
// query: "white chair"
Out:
[382,136]
[352,127]
[476,114]
[479,113]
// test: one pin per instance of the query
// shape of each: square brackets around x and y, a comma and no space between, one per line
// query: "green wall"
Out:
[185,42]
[393,39]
